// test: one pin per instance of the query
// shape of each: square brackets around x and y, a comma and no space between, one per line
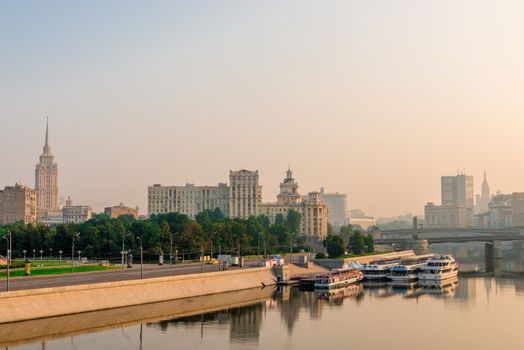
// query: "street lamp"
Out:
[9,242]
[141,259]
[50,253]
[75,235]
[24,251]
[34,254]
[79,252]
[41,254]
[60,252]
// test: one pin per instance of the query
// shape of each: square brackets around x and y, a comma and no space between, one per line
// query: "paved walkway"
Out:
[150,271]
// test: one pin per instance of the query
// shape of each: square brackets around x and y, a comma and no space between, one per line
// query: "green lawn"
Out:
[56,270]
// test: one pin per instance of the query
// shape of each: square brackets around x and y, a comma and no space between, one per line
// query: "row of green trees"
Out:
[355,243]
[102,237]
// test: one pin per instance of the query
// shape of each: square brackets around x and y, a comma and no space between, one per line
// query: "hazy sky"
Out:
[373,98]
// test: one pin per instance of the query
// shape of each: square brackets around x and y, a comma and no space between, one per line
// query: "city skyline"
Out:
[351,94]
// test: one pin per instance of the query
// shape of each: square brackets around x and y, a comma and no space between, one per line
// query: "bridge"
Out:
[392,237]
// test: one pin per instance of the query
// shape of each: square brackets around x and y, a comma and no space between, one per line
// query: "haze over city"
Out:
[373,99]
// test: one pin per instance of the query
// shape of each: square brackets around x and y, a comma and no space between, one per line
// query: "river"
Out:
[479,310]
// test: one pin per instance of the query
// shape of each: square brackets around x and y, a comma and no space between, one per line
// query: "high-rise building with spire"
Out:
[46,182]
[482,200]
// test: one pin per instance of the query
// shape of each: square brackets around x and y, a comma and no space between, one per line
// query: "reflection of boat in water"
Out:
[337,294]
[405,288]
[378,269]
[439,268]
[408,268]
[446,288]
[338,278]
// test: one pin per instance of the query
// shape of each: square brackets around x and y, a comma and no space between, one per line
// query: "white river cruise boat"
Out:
[378,269]
[439,268]
[338,278]
[408,268]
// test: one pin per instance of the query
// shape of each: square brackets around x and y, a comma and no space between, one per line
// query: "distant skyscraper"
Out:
[46,182]
[17,204]
[458,201]
[481,205]
[457,191]
[337,208]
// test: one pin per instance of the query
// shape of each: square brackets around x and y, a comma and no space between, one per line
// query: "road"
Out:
[150,271]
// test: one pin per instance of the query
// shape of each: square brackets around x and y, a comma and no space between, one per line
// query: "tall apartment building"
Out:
[17,204]
[46,183]
[337,207]
[458,191]
[119,210]
[458,201]
[189,199]
[245,194]
[76,214]
[314,213]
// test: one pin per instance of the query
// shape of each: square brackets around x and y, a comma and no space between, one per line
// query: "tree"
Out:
[356,243]
[369,243]
[335,246]
[345,232]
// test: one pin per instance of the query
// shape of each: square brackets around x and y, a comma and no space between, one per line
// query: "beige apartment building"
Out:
[119,210]
[17,204]
[241,199]
[245,194]
[189,199]
[46,183]
[76,214]
[314,213]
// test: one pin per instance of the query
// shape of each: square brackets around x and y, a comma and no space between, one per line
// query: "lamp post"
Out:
[141,259]
[171,249]
[24,251]
[60,252]
[201,256]
[79,252]
[41,254]
[123,248]
[73,252]
[9,242]
[50,253]
[34,254]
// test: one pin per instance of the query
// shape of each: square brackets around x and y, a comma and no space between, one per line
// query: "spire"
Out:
[47,149]
[485,178]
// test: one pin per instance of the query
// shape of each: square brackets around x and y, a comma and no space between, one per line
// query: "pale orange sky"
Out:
[376,99]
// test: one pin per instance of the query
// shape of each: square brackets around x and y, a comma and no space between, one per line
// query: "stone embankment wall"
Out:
[32,331]
[49,302]
[339,263]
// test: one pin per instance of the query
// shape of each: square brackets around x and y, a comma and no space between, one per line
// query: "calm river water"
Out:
[482,309]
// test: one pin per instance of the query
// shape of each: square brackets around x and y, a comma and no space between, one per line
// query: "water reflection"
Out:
[474,307]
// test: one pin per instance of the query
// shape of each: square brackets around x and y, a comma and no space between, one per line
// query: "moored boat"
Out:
[438,268]
[338,278]
[408,268]
[378,269]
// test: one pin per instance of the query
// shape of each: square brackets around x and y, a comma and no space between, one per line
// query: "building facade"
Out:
[313,212]
[439,216]
[17,204]
[245,194]
[500,211]
[76,214]
[337,208]
[46,183]
[457,191]
[517,209]
[189,199]
[119,210]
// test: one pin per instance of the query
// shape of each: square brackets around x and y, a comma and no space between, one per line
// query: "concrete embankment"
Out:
[39,330]
[339,263]
[49,302]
